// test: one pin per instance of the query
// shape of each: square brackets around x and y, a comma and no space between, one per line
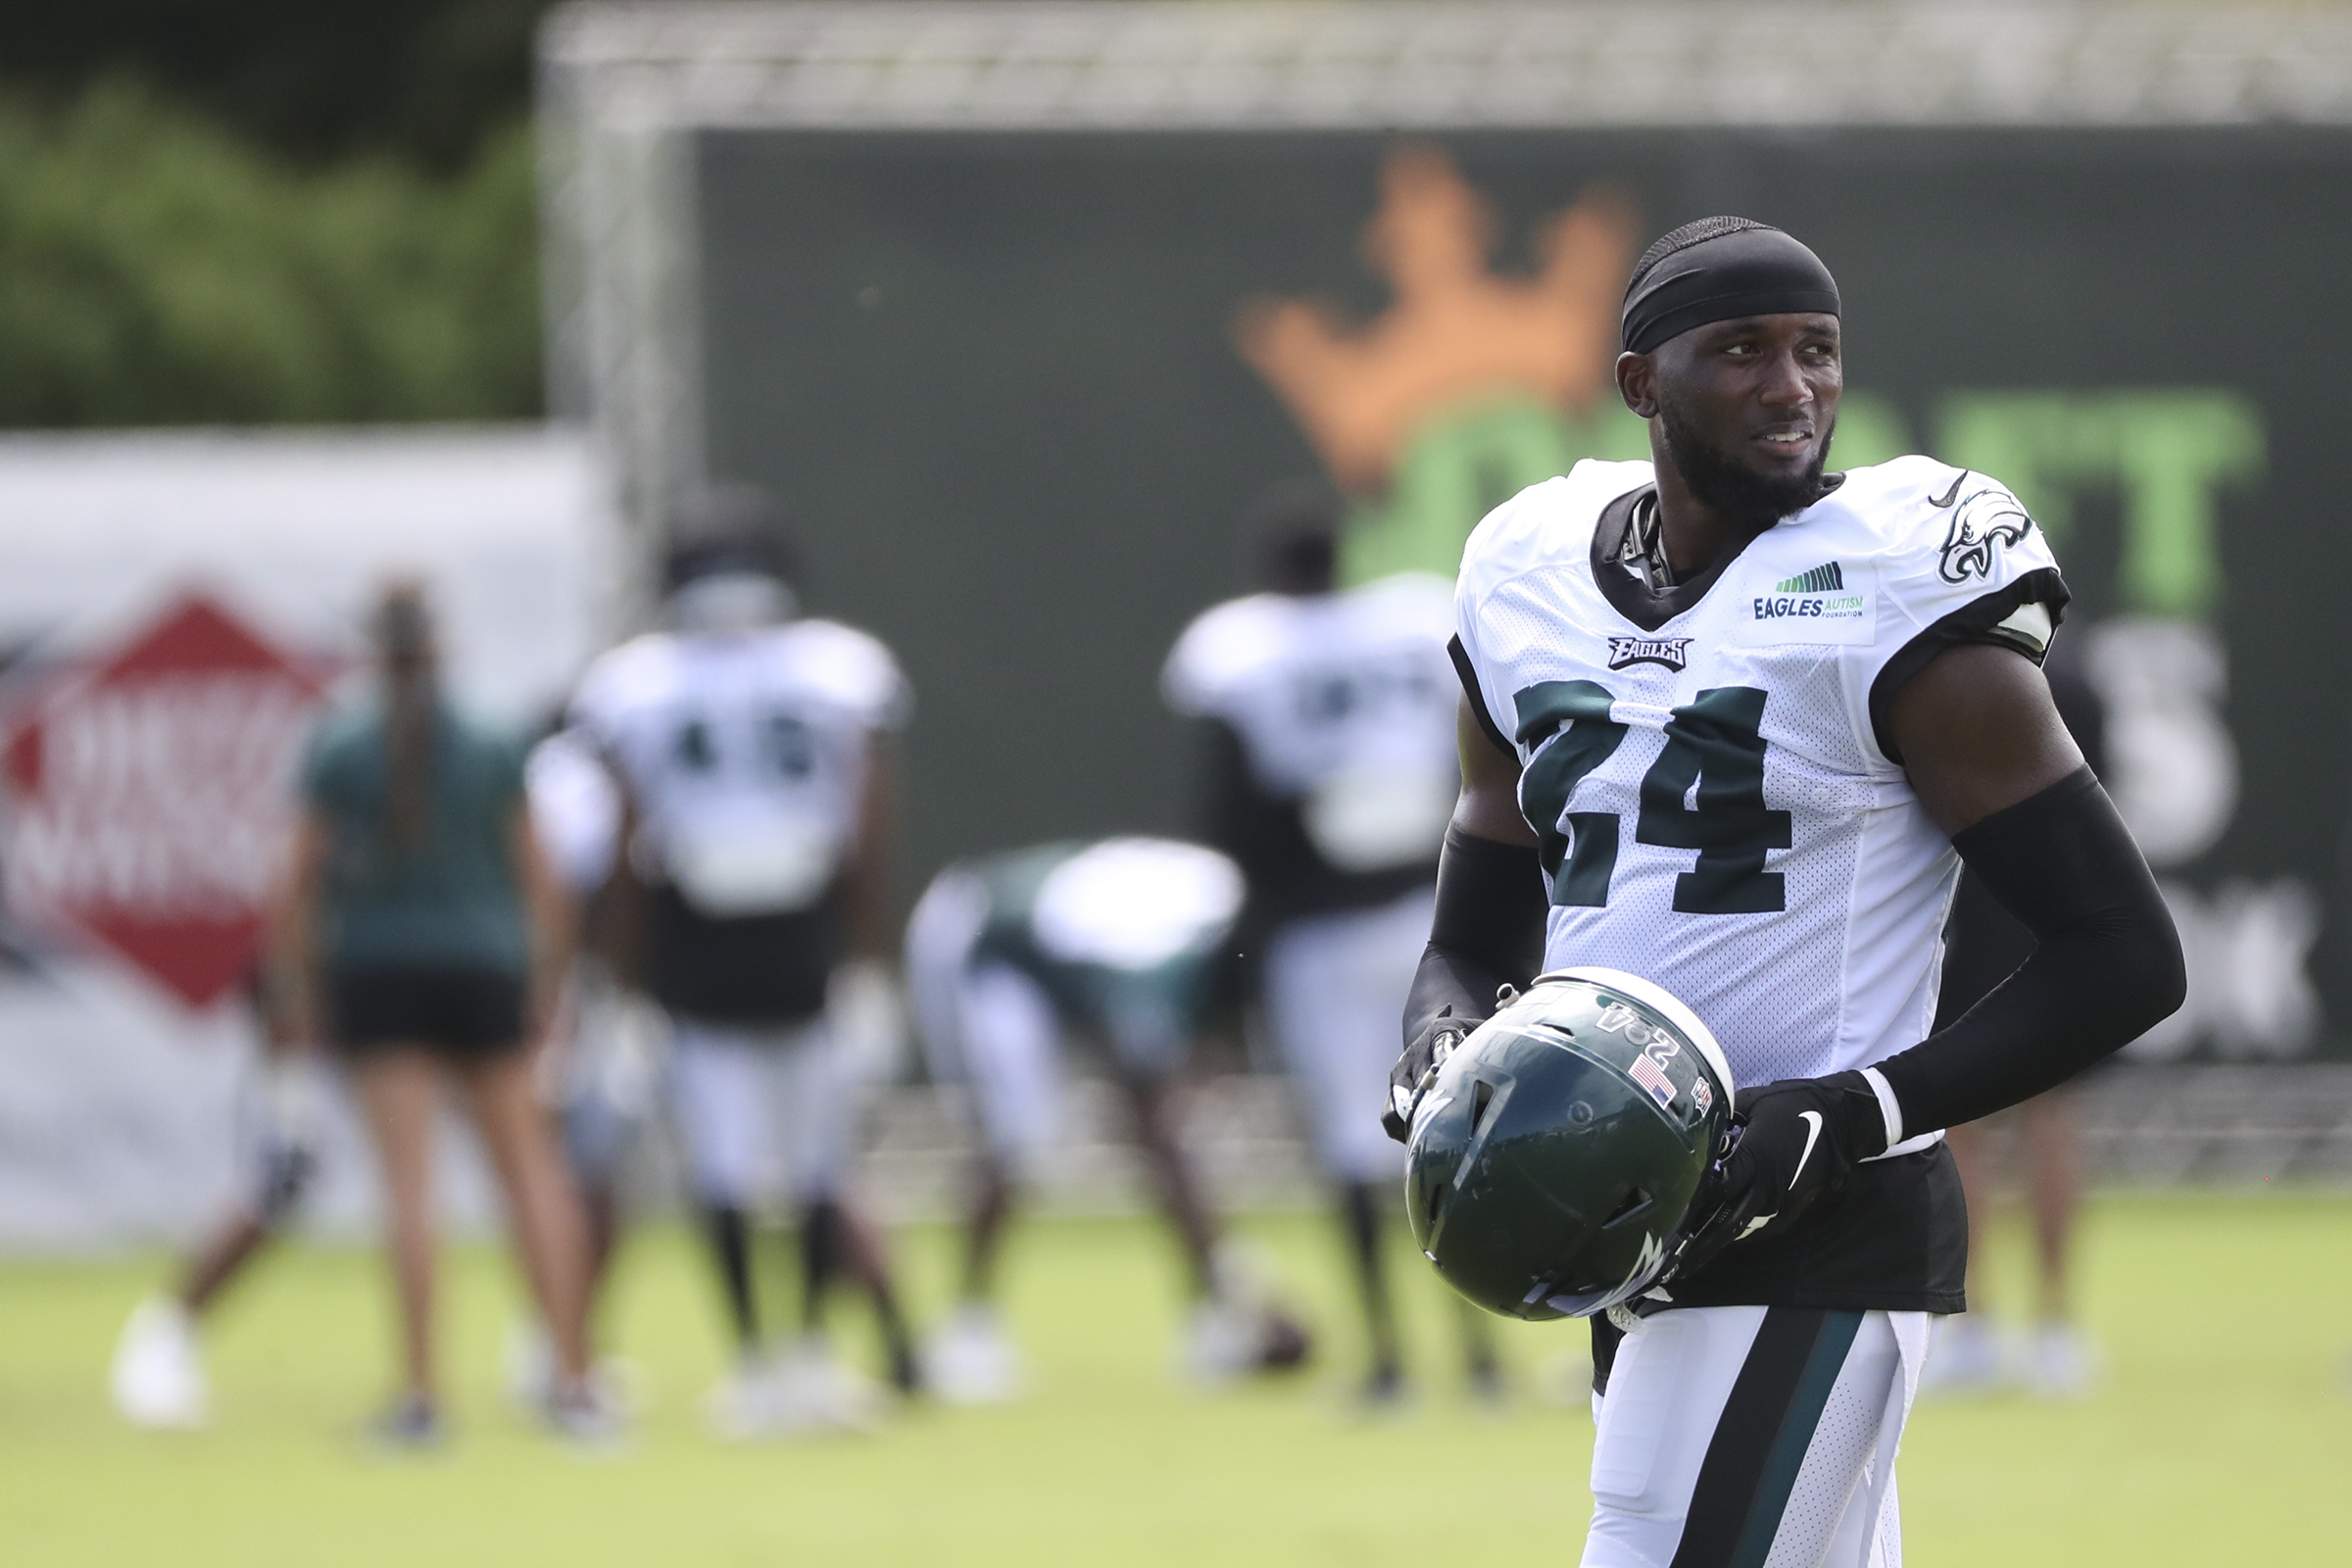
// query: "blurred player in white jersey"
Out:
[1121,945]
[1331,774]
[754,750]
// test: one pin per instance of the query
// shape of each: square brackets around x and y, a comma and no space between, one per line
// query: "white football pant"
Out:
[762,1114]
[1336,988]
[1750,1437]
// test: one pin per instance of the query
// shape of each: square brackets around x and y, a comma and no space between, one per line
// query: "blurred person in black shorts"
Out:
[421,934]
[158,1377]
[1984,946]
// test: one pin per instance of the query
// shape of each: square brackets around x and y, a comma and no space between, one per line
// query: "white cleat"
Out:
[531,1364]
[1220,1342]
[1241,1327]
[1968,1359]
[530,1373]
[813,1393]
[157,1376]
[1226,1341]
[588,1418]
[972,1361]
[2065,1363]
[741,1406]
[801,1392]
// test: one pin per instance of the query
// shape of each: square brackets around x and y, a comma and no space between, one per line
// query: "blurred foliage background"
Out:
[267,212]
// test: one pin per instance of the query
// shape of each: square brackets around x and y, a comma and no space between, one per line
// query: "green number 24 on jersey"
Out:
[1713,743]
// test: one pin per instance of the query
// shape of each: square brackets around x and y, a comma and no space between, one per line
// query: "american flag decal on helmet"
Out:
[1651,1077]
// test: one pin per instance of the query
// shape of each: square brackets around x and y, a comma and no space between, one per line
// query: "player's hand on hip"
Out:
[1417,1069]
[1792,1142]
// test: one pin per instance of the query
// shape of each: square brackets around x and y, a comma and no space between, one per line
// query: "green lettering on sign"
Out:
[2167,453]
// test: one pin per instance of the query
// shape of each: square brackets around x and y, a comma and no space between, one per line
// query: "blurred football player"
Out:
[602,1062]
[1119,944]
[1984,944]
[158,1378]
[1731,725]
[1331,775]
[754,747]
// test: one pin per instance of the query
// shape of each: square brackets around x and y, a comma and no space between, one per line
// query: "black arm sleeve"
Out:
[1488,933]
[2105,969]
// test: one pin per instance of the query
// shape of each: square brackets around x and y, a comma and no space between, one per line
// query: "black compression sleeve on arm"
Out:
[1488,932]
[2106,968]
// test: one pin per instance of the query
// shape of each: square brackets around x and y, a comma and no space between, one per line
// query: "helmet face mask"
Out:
[1553,1165]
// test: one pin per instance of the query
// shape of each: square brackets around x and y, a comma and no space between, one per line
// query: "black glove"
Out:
[1790,1142]
[1417,1069]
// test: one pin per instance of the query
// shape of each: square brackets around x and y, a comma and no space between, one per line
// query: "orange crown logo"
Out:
[1457,332]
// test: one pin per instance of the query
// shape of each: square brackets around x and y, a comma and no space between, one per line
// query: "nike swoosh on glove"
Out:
[1790,1142]
[1417,1069]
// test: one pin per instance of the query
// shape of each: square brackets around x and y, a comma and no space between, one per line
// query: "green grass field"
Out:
[2221,1436]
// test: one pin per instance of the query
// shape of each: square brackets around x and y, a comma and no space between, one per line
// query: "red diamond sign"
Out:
[149,801]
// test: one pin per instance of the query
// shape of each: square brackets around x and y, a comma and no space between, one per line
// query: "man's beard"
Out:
[1729,488]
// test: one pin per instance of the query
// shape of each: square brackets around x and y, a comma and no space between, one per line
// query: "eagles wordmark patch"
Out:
[1672,651]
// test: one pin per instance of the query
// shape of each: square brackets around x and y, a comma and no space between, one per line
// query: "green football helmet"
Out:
[1554,1161]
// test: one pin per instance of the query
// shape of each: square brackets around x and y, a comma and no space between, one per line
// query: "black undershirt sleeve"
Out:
[1488,931]
[1470,693]
[2106,965]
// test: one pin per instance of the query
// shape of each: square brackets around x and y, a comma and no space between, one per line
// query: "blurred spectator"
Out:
[422,934]
[1984,946]
[602,1065]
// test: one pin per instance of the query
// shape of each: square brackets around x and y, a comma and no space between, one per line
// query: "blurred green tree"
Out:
[154,269]
[424,81]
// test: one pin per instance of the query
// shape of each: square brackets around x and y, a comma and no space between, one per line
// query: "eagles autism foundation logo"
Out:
[1475,382]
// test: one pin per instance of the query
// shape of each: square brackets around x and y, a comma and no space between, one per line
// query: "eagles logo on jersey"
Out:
[1982,521]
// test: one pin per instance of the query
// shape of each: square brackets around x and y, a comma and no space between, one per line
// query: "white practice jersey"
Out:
[1707,767]
[575,811]
[1343,701]
[746,755]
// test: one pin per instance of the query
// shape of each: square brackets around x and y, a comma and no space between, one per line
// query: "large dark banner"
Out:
[1019,387]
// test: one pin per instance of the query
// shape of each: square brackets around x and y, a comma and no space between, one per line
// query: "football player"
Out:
[753,750]
[158,1377]
[1329,719]
[1122,944]
[1730,723]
